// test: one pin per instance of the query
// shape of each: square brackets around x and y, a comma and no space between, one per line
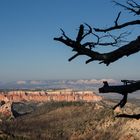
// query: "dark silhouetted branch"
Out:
[80,34]
[116,21]
[129,86]
[86,48]
[132,6]
[135,22]
[106,58]
[108,39]
[122,102]
[89,31]
[70,59]
[134,116]
[121,89]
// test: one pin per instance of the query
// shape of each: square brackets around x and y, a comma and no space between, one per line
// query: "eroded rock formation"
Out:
[43,96]
[7,98]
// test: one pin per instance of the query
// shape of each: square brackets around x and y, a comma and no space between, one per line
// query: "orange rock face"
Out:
[6,109]
[42,96]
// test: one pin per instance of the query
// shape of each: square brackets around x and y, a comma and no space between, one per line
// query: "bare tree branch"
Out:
[135,22]
[80,34]
[106,58]
[132,6]
[116,21]
[87,48]
[77,54]
[122,102]
[89,32]
[128,87]
[121,89]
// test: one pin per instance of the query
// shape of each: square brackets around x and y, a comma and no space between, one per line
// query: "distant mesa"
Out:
[52,95]
[9,97]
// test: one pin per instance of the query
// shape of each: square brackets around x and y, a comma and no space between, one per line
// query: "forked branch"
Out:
[87,48]
[120,26]
[131,6]
[128,87]
[106,58]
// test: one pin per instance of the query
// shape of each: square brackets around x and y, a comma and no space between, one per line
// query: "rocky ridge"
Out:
[43,96]
[7,98]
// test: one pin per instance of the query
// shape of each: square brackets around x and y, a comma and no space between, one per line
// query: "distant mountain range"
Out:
[82,84]
[56,84]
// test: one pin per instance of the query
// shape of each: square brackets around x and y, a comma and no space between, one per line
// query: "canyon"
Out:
[52,95]
[9,97]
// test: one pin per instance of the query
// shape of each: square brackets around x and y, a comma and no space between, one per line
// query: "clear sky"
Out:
[27,48]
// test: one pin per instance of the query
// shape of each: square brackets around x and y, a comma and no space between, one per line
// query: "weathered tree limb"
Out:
[121,89]
[116,26]
[87,48]
[116,21]
[106,58]
[122,102]
[132,6]
[112,56]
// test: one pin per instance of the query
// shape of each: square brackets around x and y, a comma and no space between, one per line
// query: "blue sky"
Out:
[27,48]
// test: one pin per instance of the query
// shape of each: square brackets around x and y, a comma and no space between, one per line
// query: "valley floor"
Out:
[75,121]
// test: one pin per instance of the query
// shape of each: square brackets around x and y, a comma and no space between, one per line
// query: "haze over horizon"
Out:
[54,84]
[28,51]
[80,85]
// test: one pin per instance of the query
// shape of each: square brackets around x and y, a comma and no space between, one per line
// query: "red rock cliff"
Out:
[43,96]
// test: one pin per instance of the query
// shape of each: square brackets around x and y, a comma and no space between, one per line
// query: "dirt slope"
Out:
[76,121]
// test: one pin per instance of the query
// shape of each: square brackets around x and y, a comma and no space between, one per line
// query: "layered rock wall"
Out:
[43,96]
[7,98]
